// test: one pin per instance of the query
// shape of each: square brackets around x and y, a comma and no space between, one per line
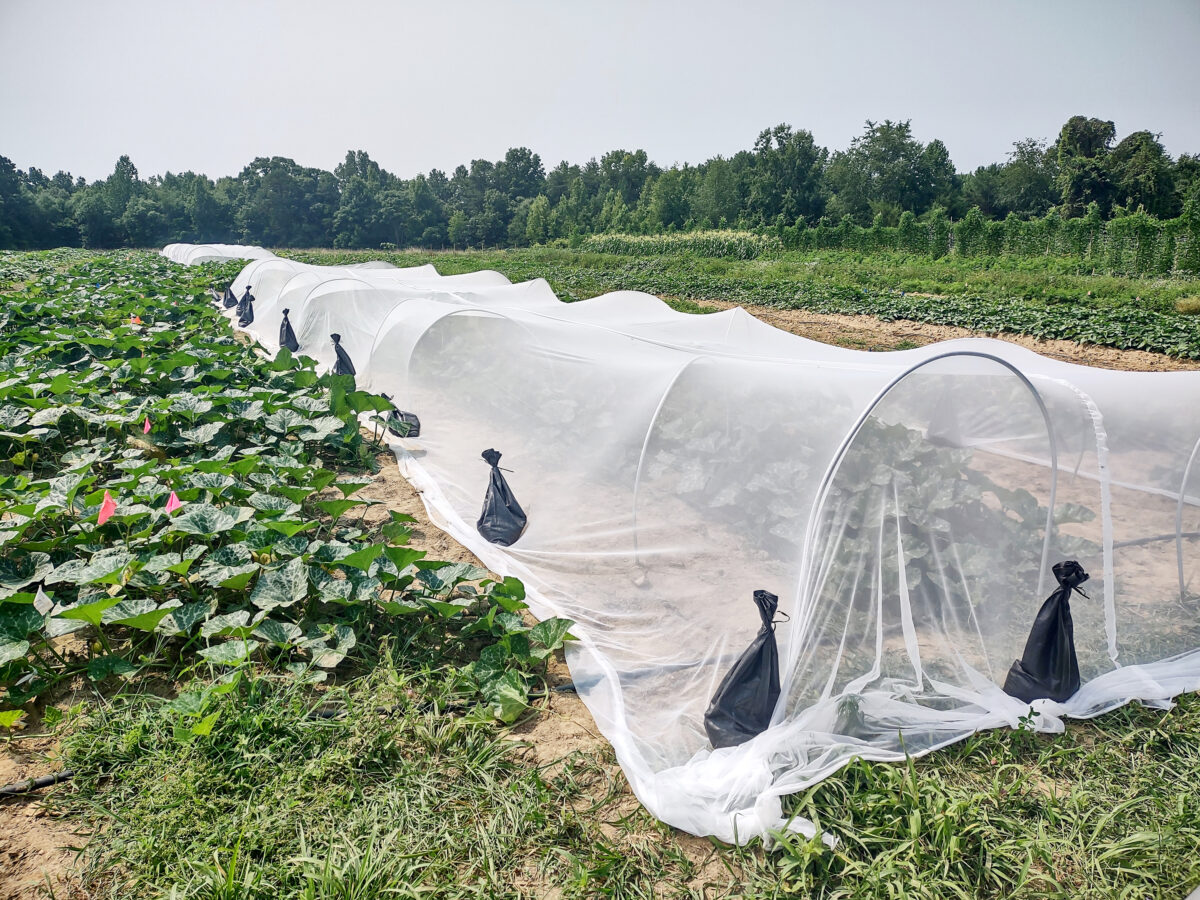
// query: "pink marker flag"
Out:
[146,426]
[107,508]
[173,503]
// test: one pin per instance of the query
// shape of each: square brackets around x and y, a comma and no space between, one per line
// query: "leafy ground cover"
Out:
[277,773]
[1045,297]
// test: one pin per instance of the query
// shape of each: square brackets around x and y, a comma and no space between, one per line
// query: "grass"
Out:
[416,802]
[424,802]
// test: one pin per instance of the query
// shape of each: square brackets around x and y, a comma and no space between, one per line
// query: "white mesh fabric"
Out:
[905,507]
[193,254]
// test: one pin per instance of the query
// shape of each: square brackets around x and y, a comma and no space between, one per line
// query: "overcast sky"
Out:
[210,85]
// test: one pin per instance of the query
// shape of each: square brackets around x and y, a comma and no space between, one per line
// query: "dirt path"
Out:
[869,333]
[34,843]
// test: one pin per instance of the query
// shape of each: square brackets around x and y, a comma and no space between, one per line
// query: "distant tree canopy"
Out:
[786,179]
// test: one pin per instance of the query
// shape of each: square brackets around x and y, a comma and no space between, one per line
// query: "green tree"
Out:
[143,223]
[357,222]
[520,174]
[668,201]
[1141,175]
[717,198]
[459,229]
[887,169]
[788,176]
[537,225]
[626,173]
[1027,181]
[1082,150]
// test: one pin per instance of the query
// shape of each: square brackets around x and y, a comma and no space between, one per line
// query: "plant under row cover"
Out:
[194,254]
[906,508]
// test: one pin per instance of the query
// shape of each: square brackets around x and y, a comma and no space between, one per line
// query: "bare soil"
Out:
[35,844]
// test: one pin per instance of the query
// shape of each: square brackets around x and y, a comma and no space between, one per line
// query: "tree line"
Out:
[785,181]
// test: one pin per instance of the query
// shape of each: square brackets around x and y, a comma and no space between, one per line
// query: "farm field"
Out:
[300,576]
[1044,298]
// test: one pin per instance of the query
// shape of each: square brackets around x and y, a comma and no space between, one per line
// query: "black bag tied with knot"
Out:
[400,423]
[246,299]
[246,310]
[1049,668]
[342,365]
[230,299]
[745,700]
[287,337]
[502,520]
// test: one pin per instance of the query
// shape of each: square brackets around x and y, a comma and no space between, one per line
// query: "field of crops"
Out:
[263,696]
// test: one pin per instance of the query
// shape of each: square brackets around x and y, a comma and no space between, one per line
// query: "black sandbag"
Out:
[342,365]
[400,423]
[287,337]
[746,698]
[247,313]
[502,520]
[403,424]
[230,300]
[1049,667]
[245,301]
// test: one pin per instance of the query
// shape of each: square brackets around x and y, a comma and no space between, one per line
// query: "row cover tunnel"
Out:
[905,507]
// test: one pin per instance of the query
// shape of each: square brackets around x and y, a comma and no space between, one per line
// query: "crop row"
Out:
[173,498]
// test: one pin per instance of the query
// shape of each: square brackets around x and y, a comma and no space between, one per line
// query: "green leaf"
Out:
[396,533]
[284,586]
[550,633]
[295,494]
[141,617]
[349,486]
[90,612]
[204,519]
[228,653]
[11,651]
[103,666]
[17,572]
[288,529]
[212,481]
[189,703]
[446,577]
[190,404]
[202,434]
[271,505]
[284,420]
[335,509]
[239,578]
[343,641]
[362,559]
[321,479]
[105,567]
[507,695]
[403,557]
[281,634]
[10,717]
[183,619]
[319,429]
[204,727]
[236,623]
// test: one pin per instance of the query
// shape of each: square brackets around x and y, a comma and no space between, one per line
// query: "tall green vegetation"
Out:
[786,180]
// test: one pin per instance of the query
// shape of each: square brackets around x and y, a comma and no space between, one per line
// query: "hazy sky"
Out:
[210,85]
